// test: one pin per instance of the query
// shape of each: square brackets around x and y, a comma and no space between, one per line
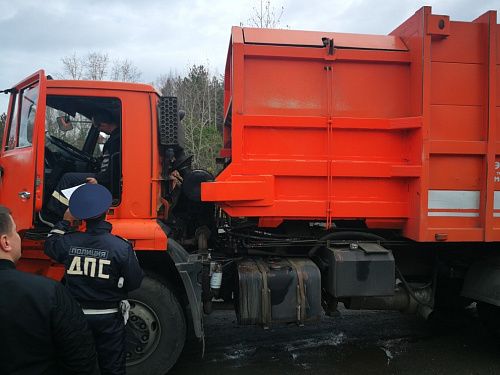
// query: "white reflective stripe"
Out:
[454,214]
[496,200]
[61,198]
[57,231]
[458,200]
[453,200]
[96,312]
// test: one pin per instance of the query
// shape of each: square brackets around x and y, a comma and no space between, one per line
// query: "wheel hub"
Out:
[143,332]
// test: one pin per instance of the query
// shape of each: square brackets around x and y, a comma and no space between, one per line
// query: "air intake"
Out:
[171,131]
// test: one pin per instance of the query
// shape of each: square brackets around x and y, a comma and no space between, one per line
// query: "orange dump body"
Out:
[402,131]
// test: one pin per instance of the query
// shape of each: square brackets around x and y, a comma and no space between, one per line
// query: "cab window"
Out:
[73,144]
[20,133]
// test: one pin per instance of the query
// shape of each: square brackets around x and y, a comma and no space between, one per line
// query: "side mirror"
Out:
[64,123]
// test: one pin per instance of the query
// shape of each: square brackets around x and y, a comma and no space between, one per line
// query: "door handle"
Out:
[24,194]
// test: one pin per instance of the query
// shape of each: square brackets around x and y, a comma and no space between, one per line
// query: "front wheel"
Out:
[490,316]
[156,329]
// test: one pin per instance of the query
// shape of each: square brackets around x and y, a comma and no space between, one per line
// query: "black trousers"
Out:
[58,203]
[109,335]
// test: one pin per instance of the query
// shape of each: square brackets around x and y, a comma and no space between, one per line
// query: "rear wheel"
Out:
[156,329]
[490,316]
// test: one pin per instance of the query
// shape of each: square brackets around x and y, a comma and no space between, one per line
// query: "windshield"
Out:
[74,135]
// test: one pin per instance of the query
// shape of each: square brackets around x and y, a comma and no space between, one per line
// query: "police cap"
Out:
[89,200]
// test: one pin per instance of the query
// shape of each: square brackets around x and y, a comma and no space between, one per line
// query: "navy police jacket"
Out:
[94,261]
[42,328]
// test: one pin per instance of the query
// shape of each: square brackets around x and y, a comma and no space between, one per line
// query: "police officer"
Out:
[100,269]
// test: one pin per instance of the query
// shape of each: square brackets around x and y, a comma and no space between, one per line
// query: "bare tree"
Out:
[125,71]
[265,15]
[96,66]
[73,66]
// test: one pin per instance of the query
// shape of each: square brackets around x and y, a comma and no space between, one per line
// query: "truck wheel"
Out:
[490,316]
[156,329]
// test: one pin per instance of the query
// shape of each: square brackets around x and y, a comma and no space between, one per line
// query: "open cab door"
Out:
[22,151]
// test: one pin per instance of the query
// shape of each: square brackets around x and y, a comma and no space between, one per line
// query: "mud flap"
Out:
[482,282]
[189,267]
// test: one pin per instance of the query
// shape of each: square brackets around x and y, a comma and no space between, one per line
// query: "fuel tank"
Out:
[278,290]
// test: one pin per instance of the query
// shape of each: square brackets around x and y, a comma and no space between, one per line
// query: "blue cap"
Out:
[89,200]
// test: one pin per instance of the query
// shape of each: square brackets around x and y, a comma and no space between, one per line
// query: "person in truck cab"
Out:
[42,328]
[58,203]
[100,270]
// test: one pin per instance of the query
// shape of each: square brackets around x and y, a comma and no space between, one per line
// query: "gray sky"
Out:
[163,35]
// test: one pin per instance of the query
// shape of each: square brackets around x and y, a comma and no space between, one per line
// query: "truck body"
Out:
[358,169]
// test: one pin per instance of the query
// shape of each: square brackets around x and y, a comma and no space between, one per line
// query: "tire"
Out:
[490,316]
[156,329]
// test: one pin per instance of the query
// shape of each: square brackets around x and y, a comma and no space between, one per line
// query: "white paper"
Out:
[67,192]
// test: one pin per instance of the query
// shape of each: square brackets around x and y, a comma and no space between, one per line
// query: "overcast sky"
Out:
[163,35]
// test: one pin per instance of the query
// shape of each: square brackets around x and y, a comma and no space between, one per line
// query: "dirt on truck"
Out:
[357,169]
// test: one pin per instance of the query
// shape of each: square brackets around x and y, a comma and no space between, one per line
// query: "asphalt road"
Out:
[357,342]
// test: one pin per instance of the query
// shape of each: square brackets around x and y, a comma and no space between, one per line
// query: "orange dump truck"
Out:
[358,169]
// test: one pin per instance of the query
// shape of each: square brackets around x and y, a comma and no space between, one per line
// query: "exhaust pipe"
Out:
[400,301]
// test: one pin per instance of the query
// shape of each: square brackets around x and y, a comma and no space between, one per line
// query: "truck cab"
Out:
[49,133]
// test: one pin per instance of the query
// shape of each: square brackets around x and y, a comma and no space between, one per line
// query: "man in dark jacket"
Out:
[42,328]
[58,202]
[100,269]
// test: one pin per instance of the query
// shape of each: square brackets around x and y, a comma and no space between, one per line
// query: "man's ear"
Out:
[5,243]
